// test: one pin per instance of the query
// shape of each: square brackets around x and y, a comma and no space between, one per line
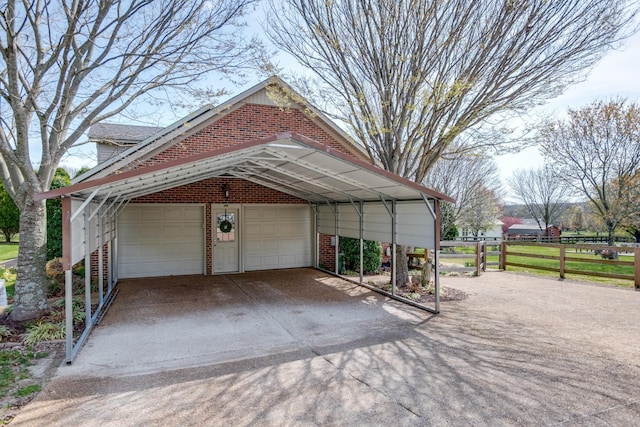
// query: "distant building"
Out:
[553,231]
[493,233]
[517,231]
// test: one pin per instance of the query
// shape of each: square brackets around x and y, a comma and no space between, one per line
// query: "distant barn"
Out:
[518,231]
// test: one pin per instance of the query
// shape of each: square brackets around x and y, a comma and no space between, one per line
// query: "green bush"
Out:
[372,253]
[9,215]
[54,215]
[452,233]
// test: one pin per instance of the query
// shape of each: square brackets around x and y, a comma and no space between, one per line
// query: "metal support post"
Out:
[68,314]
[100,261]
[436,254]
[113,254]
[87,267]
[316,241]
[361,213]
[394,258]
[337,248]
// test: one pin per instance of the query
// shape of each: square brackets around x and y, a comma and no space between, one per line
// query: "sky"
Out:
[617,74]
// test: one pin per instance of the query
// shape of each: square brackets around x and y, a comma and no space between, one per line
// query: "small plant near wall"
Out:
[44,331]
[5,332]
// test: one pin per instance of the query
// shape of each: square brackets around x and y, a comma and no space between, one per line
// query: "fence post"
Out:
[478,258]
[503,255]
[484,256]
[562,254]
[636,268]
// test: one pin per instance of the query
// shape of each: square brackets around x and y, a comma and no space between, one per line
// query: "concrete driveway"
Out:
[298,347]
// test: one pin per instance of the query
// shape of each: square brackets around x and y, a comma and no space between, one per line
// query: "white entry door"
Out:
[226,241]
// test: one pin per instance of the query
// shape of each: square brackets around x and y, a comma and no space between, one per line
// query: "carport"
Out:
[348,197]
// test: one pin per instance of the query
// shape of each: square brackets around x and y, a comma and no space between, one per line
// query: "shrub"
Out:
[61,178]
[414,296]
[9,215]
[77,308]
[372,253]
[452,233]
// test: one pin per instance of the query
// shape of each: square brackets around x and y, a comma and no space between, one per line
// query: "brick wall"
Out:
[326,253]
[245,124]
[210,191]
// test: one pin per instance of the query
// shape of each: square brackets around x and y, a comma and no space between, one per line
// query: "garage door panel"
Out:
[252,228]
[156,240]
[277,237]
[173,214]
[149,215]
[252,262]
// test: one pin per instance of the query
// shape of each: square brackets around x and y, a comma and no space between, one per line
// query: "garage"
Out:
[277,237]
[305,196]
[160,240]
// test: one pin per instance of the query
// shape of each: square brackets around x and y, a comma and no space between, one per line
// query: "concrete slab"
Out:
[505,356]
[181,322]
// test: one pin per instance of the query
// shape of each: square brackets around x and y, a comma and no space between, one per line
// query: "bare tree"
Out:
[410,77]
[575,217]
[542,193]
[473,181]
[66,65]
[596,150]
[631,224]
[484,214]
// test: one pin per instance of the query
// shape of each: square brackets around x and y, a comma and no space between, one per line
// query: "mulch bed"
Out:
[18,328]
[415,292]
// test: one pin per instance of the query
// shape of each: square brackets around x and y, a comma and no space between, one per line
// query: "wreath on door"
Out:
[226,226]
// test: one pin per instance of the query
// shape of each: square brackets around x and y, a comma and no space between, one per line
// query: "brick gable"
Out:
[210,191]
[247,123]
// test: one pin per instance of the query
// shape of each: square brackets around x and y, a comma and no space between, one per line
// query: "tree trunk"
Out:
[611,239]
[402,264]
[31,287]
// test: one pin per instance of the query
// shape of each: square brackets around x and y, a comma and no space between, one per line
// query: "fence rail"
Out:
[562,259]
[548,239]
[479,256]
[477,253]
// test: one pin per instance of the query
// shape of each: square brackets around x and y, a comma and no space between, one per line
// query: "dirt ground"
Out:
[40,370]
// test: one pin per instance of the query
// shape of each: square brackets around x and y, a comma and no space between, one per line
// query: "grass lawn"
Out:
[8,251]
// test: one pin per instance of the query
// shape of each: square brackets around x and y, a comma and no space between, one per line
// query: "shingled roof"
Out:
[122,134]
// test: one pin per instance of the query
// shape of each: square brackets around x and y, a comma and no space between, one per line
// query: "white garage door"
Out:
[277,236]
[160,240]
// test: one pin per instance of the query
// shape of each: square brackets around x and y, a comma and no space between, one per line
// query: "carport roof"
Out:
[287,162]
